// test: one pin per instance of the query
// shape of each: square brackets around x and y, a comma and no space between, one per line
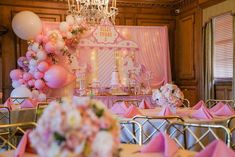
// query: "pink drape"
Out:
[154,49]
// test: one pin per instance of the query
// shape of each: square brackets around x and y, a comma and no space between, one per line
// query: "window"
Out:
[223,47]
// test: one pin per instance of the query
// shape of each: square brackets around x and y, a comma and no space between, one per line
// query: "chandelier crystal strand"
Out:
[93,11]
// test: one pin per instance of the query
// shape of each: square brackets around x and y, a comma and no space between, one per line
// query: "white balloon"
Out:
[26,25]
[42,97]
[33,62]
[60,44]
[70,19]
[64,27]
[35,94]
[41,55]
[35,47]
[78,19]
[69,35]
[21,91]
[16,84]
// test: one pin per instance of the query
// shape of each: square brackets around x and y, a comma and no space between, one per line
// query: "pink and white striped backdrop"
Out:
[153,54]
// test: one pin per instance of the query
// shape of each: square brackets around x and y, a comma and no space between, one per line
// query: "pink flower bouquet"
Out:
[169,94]
[66,129]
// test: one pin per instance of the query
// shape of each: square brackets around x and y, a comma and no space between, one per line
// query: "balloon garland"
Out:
[40,70]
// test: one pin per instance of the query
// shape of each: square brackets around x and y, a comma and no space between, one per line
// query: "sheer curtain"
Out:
[208,49]
[233,84]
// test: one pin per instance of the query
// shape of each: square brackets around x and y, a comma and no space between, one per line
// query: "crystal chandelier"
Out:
[93,10]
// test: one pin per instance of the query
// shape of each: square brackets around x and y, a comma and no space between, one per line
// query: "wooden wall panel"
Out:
[188,53]
[185,55]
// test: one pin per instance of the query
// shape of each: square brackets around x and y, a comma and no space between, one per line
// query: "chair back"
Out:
[131,132]
[198,136]
[153,125]
[5,115]
[212,102]
[186,103]
[18,100]
[16,132]
[39,109]
[233,138]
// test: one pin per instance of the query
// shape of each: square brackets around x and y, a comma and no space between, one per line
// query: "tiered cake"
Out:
[115,82]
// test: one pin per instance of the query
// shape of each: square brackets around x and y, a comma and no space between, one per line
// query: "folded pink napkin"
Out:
[28,103]
[225,110]
[217,106]
[144,105]
[199,104]
[119,108]
[24,146]
[216,149]
[166,111]
[131,112]
[202,113]
[160,143]
[9,103]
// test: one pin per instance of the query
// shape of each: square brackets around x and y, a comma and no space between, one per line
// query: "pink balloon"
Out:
[38,75]
[30,54]
[16,74]
[50,47]
[56,76]
[43,66]
[27,76]
[39,38]
[39,84]
[21,81]
[31,82]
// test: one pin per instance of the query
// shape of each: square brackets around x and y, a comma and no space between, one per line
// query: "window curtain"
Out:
[208,51]
[233,83]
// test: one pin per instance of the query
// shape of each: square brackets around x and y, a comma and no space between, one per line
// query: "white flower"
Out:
[74,119]
[54,150]
[103,144]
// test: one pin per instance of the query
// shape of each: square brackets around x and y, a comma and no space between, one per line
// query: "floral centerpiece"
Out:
[68,129]
[169,94]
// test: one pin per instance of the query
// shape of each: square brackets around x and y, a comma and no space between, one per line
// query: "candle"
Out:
[69,4]
[78,5]
[113,1]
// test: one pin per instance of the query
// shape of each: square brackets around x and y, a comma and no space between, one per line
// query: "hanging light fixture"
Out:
[93,11]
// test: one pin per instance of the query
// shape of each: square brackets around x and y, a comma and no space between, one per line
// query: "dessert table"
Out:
[128,150]
[109,100]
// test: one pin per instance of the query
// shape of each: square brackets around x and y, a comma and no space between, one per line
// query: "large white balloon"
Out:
[26,25]
[21,91]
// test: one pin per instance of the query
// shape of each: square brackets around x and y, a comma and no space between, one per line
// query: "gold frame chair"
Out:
[150,122]
[14,131]
[184,128]
[233,138]
[18,100]
[135,102]
[39,109]
[5,114]
[212,102]
[133,129]
[186,103]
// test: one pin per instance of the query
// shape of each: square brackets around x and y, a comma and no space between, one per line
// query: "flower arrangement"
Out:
[169,94]
[66,129]
[49,52]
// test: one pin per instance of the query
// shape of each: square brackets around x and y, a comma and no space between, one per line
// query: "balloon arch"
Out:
[45,68]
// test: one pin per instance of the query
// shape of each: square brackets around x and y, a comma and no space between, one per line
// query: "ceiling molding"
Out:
[170,4]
